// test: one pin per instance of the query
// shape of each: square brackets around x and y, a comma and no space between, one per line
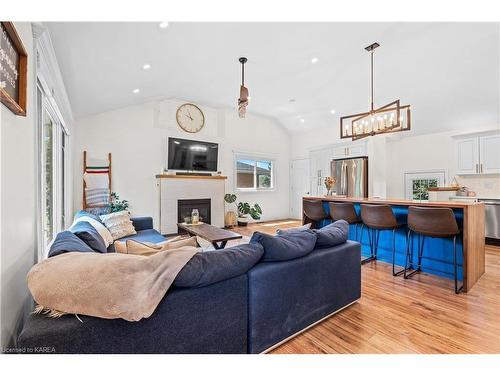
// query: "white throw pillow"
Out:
[119,224]
[101,229]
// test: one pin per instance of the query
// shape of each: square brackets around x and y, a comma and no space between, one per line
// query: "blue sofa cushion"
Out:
[85,213]
[142,222]
[333,234]
[285,246]
[88,234]
[146,235]
[66,242]
[210,267]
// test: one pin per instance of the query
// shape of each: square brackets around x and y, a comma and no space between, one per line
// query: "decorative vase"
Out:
[230,219]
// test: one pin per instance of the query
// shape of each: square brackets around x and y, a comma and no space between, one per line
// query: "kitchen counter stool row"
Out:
[434,222]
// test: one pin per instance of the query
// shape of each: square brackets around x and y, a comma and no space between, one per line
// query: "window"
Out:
[52,141]
[254,173]
[420,188]
[48,177]
[417,184]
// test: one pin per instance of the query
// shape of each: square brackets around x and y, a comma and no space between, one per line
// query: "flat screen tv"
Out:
[188,155]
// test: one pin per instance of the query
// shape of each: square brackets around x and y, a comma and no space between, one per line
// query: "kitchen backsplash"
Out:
[486,186]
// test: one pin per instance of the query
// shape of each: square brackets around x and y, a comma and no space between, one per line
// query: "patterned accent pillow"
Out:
[119,224]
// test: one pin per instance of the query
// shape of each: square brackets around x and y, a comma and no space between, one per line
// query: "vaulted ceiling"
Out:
[448,72]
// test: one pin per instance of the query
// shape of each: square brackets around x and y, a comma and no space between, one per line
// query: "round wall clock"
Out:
[190,118]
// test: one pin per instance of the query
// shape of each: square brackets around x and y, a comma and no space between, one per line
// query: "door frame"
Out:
[290,169]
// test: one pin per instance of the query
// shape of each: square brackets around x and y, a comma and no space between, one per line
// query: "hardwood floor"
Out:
[418,315]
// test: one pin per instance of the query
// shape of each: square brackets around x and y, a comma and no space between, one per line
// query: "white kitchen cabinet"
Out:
[478,153]
[349,150]
[339,152]
[489,154]
[467,156]
[357,149]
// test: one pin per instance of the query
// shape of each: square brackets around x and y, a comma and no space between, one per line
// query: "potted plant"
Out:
[244,210]
[116,204]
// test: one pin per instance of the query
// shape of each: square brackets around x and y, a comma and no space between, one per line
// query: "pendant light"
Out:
[243,100]
[390,118]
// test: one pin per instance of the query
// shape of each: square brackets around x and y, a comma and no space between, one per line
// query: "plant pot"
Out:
[243,221]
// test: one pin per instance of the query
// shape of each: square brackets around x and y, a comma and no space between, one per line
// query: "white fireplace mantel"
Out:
[175,187]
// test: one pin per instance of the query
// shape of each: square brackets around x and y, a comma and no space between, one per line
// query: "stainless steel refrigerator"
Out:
[351,176]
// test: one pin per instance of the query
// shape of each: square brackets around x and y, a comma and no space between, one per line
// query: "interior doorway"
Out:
[300,185]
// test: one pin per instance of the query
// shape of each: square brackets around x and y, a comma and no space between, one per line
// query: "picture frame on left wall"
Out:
[13,69]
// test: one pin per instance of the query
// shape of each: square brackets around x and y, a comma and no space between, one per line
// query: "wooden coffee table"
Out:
[218,237]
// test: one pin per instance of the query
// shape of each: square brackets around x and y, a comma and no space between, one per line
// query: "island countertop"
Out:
[397,202]
[473,230]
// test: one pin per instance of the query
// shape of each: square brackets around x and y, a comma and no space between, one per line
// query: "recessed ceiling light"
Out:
[136,91]
[164,24]
[314,60]
[332,111]
[146,66]
[302,120]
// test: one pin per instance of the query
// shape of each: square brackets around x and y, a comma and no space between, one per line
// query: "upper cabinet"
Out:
[478,153]
[349,150]
[489,154]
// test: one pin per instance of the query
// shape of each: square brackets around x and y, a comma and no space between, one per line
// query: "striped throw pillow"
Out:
[119,224]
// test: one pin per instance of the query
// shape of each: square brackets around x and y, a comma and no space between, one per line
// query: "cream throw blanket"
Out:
[107,286]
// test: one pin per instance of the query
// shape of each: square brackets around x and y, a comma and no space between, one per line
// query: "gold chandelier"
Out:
[390,118]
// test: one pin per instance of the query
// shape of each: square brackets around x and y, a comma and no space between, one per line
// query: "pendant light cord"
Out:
[242,74]
[371,81]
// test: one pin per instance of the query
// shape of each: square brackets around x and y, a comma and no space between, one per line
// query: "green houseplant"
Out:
[116,204]
[244,209]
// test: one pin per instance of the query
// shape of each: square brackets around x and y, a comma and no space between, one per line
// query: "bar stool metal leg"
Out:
[394,273]
[371,241]
[409,255]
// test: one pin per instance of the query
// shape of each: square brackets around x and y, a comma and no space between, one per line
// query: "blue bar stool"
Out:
[430,222]
[345,211]
[379,217]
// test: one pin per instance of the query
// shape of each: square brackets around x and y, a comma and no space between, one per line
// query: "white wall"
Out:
[137,138]
[432,152]
[18,231]
[392,155]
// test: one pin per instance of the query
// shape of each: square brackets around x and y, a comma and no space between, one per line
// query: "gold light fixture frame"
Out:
[347,130]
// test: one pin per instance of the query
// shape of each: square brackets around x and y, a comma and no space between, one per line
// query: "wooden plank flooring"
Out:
[418,315]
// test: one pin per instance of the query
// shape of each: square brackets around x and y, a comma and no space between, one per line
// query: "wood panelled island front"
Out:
[469,215]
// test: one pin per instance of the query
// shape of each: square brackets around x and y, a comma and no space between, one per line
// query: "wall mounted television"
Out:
[189,155]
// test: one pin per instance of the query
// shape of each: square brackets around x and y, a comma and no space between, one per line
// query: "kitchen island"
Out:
[438,253]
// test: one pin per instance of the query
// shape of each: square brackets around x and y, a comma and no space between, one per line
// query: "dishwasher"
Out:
[492,218]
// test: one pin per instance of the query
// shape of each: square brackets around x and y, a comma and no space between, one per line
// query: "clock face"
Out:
[190,118]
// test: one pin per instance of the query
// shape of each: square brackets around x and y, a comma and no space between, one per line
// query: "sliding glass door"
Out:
[52,141]
[48,177]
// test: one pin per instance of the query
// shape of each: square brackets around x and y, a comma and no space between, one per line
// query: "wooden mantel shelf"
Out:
[191,177]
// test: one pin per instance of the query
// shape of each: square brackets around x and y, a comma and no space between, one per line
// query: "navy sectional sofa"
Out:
[248,313]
